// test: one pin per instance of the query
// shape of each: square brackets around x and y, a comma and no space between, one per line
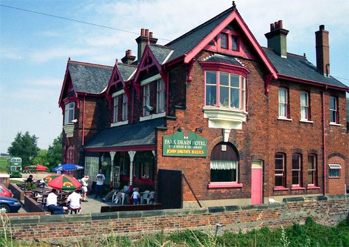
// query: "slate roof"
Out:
[89,78]
[126,70]
[160,52]
[138,134]
[299,67]
[189,40]
[223,59]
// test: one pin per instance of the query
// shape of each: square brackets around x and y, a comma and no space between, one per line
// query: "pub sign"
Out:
[184,143]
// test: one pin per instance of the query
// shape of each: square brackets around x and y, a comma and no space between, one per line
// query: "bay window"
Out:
[225,90]
[69,113]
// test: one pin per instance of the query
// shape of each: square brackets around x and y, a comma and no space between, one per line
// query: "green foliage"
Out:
[4,163]
[54,152]
[41,158]
[24,146]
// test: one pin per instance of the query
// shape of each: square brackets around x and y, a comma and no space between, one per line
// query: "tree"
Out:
[54,152]
[24,146]
[41,158]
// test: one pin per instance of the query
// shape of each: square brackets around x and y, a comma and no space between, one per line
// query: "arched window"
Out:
[122,160]
[224,163]
[144,165]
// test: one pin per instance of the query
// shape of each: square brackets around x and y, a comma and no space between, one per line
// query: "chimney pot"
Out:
[272,27]
[150,34]
[276,24]
[142,32]
[322,27]
[280,24]
[146,33]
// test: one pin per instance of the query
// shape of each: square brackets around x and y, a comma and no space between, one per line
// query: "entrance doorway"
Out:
[256,182]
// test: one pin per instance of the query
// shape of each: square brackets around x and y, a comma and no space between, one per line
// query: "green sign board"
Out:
[184,143]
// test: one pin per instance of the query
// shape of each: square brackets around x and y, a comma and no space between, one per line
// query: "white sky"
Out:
[34,48]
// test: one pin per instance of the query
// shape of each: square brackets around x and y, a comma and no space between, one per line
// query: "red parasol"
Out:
[64,182]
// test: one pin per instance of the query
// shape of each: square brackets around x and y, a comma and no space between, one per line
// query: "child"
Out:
[135,196]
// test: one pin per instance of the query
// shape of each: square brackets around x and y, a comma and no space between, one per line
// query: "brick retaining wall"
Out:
[327,210]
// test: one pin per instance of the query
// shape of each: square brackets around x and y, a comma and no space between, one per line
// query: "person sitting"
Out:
[51,203]
[74,200]
[29,182]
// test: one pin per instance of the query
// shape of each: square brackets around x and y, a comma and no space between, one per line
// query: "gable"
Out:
[188,46]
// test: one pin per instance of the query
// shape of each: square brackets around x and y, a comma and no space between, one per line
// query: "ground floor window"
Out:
[296,170]
[144,167]
[91,167]
[122,160]
[334,171]
[312,170]
[280,169]
[224,163]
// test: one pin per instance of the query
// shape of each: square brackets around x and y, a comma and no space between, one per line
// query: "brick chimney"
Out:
[277,38]
[128,58]
[322,51]
[143,40]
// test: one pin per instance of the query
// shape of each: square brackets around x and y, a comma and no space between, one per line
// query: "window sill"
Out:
[312,187]
[297,188]
[152,116]
[225,118]
[221,185]
[285,119]
[279,188]
[335,124]
[119,123]
[306,121]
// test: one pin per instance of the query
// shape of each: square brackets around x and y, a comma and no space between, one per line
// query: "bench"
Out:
[134,207]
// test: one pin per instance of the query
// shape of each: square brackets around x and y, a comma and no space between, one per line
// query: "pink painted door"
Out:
[256,182]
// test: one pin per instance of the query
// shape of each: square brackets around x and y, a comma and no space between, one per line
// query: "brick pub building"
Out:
[211,118]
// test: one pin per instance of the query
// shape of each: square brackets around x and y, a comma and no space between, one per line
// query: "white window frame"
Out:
[160,96]
[218,86]
[312,170]
[69,113]
[334,110]
[334,167]
[304,103]
[124,112]
[283,103]
[91,168]
[146,99]
[298,170]
[280,172]
[115,109]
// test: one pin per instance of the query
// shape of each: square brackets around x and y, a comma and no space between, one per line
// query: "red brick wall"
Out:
[260,138]
[93,227]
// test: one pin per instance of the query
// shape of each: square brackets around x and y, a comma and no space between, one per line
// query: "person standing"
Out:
[136,196]
[51,203]
[99,184]
[74,200]
[84,182]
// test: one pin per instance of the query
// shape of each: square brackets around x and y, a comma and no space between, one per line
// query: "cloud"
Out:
[10,53]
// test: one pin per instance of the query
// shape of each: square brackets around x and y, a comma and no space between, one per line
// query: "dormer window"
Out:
[228,41]
[234,43]
[160,93]
[146,100]
[120,108]
[69,113]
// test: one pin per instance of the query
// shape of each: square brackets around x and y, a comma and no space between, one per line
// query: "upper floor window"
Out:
[283,103]
[305,106]
[124,107]
[296,170]
[115,109]
[333,109]
[69,113]
[224,41]
[225,90]
[312,170]
[160,95]
[280,169]
[234,43]
[146,100]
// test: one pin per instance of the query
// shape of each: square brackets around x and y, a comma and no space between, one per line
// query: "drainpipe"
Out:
[324,142]
[83,124]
